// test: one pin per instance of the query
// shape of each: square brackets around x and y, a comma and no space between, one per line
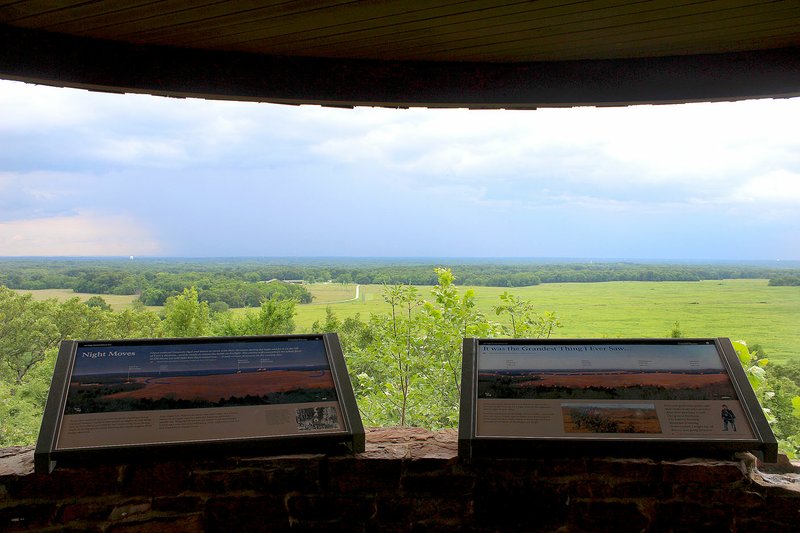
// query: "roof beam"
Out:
[52,59]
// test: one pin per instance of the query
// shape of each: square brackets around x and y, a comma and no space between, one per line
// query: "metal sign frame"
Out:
[127,399]
[629,397]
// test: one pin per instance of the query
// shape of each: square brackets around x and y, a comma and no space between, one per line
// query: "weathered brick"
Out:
[25,515]
[356,476]
[246,513]
[438,483]
[596,488]
[129,508]
[321,508]
[644,470]
[410,481]
[274,477]
[160,524]
[520,505]
[735,495]
[72,482]
[691,516]
[608,516]
[702,471]
[156,479]
[95,510]
[413,509]
[178,504]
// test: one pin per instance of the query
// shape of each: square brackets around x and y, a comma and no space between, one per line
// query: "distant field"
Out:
[326,293]
[739,309]
[117,303]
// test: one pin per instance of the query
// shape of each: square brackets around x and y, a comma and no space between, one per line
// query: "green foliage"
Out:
[274,317]
[27,332]
[778,395]
[409,371]
[186,316]
[29,335]
[783,281]
[99,302]
[525,322]
[404,363]
[235,281]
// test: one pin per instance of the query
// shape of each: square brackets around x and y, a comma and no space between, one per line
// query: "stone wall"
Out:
[407,480]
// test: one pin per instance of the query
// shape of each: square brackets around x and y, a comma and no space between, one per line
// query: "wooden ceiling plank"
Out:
[587,32]
[605,27]
[384,31]
[66,18]
[322,24]
[164,18]
[651,45]
[120,13]
[63,61]
[260,18]
[686,45]
[424,38]
[24,13]
[629,48]
[400,45]
[332,22]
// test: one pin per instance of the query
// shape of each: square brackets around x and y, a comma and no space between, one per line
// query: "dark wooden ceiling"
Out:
[475,53]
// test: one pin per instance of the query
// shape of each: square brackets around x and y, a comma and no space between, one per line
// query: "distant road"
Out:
[358,292]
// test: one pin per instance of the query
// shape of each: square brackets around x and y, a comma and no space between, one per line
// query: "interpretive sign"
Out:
[646,396]
[232,394]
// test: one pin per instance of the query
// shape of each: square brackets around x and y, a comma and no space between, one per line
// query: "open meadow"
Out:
[740,309]
[118,302]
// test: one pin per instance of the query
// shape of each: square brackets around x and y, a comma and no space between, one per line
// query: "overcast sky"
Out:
[85,173]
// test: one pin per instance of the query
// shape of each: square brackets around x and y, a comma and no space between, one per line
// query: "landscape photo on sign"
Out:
[185,376]
[604,372]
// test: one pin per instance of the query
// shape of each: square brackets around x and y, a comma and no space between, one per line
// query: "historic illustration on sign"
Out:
[610,418]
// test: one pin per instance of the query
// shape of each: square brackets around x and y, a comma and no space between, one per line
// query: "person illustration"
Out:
[728,418]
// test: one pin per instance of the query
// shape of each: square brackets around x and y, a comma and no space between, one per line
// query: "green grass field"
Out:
[117,302]
[739,309]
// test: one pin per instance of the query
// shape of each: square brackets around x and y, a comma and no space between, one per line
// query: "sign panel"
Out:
[626,396]
[246,394]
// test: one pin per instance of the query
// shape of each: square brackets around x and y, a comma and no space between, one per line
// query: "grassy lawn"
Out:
[739,309]
[117,302]
[327,293]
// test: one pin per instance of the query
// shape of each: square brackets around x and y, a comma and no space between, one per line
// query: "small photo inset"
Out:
[610,418]
[316,418]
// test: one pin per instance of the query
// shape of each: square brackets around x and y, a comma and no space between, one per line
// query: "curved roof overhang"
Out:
[604,53]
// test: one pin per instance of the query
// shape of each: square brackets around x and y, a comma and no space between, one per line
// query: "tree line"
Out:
[244,282]
[784,281]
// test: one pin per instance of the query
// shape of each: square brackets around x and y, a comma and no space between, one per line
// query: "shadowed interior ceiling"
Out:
[432,53]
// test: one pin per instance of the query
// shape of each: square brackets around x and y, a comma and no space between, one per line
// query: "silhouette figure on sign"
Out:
[728,418]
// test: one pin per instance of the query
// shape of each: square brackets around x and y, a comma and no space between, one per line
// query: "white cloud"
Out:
[158,152]
[85,234]
[214,174]
[778,187]
[706,146]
